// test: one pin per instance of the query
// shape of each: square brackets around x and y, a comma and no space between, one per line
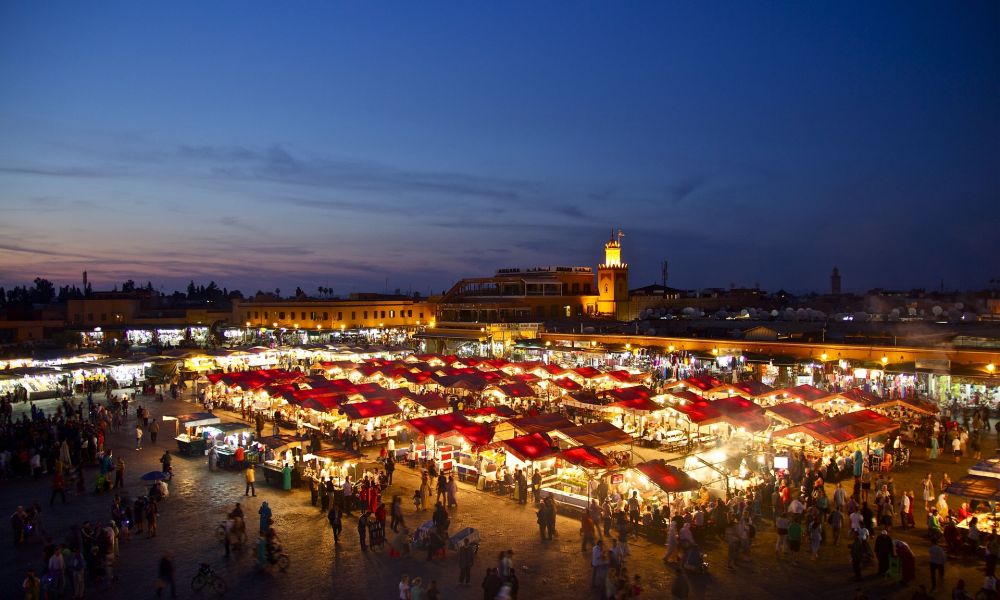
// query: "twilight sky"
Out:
[265,144]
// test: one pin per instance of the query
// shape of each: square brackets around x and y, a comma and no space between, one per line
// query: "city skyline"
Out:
[371,149]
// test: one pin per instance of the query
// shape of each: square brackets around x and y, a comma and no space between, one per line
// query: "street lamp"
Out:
[991,368]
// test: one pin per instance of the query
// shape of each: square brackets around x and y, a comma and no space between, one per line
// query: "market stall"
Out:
[277,452]
[577,471]
[695,422]
[741,414]
[656,483]
[451,440]
[230,440]
[793,413]
[978,488]
[805,393]
[191,442]
[540,423]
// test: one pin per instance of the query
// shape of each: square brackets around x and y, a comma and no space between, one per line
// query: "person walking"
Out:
[937,560]
[335,516]
[390,467]
[138,437]
[452,492]
[396,513]
[928,491]
[588,532]
[597,560]
[152,514]
[119,473]
[836,520]
[362,528]
[77,569]
[442,489]
[165,575]
[491,584]
[466,558]
[58,488]
[154,429]
[781,527]
[251,478]
[265,517]
[815,536]
[794,539]
[883,550]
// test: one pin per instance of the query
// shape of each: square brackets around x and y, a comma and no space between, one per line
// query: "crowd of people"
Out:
[66,447]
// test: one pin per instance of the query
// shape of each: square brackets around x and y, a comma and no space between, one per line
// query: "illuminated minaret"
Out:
[612,278]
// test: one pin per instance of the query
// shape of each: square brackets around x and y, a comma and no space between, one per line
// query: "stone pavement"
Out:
[551,570]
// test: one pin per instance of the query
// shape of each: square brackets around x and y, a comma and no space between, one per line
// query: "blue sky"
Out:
[349,145]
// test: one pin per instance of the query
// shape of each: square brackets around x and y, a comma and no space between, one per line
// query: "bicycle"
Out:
[207,577]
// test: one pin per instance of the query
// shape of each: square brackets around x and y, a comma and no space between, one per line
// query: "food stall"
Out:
[191,440]
[540,423]
[793,413]
[853,432]
[614,443]
[276,452]
[450,439]
[373,417]
[530,453]
[980,488]
[227,438]
[742,415]
[331,463]
[577,471]
[656,482]
[696,421]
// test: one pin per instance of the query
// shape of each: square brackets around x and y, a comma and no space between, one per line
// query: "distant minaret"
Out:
[612,278]
[835,282]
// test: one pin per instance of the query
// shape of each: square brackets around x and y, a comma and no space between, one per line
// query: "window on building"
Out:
[365,314]
[340,316]
[266,315]
[409,313]
[302,315]
[281,316]
[421,316]
[576,288]
[256,315]
[354,315]
[383,315]
[392,314]
[586,288]
[326,316]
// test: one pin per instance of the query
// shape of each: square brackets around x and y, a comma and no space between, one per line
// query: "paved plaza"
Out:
[553,570]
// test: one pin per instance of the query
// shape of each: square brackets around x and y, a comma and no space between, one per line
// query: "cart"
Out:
[469,533]
[421,533]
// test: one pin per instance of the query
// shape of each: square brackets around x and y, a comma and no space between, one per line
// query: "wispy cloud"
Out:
[54,171]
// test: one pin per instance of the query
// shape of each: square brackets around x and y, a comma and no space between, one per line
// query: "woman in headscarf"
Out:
[907,562]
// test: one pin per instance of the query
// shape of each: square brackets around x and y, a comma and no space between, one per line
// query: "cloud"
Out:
[30,250]
[54,171]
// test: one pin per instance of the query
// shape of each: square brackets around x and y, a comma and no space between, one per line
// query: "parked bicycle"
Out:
[206,577]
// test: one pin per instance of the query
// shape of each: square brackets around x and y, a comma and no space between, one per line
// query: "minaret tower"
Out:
[612,278]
